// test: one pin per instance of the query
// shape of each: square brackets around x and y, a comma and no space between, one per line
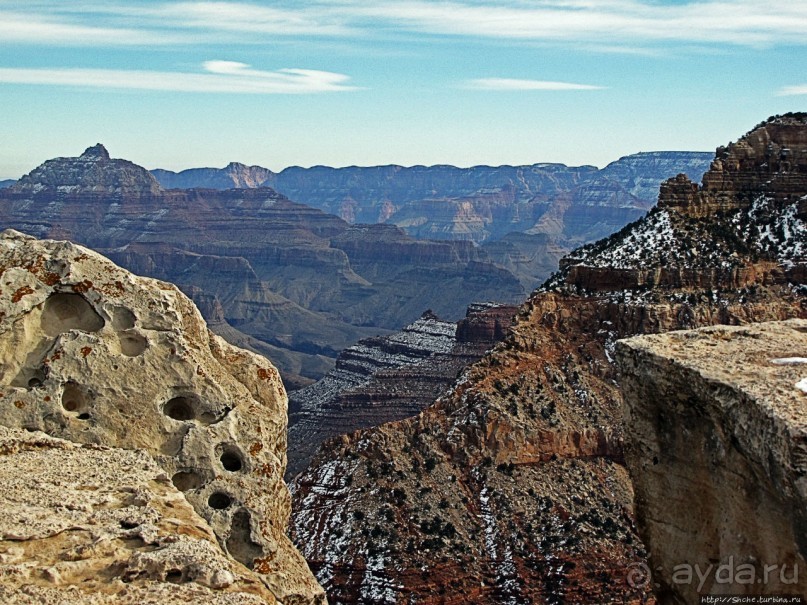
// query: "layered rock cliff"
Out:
[390,378]
[716,431]
[566,206]
[512,487]
[289,280]
[446,202]
[92,354]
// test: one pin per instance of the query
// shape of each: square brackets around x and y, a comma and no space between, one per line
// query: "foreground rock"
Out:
[716,428]
[87,524]
[93,354]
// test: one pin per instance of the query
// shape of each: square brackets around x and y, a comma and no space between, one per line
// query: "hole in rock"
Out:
[36,381]
[30,377]
[65,312]
[231,461]
[84,416]
[239,543]
[180,408]
[219,500]
[186,480]
[123,319]
[174,576]
[128,524]
[74,398]
[132,344]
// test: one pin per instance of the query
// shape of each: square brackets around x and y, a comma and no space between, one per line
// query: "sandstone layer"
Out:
[716,427]
[93,354]
[87,525]
[512,487]
[390,378]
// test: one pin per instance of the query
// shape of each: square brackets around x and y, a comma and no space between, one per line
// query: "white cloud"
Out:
[251,18]
[226,77]
[742,22]
[517,84]
[787,91]
[40,29]
[604,23]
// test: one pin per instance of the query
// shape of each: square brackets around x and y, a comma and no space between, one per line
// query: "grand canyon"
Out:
[517,384]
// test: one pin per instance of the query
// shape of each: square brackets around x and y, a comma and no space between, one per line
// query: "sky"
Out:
[178,85]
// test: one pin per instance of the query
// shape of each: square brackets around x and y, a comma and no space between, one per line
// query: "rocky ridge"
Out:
[512,487]
[92,354]
[716,450]
[390,378]
[542,211]
[498,198]
[93,171]
[283,278]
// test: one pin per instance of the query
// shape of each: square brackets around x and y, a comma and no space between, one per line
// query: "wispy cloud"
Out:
[225,77]
[582,22]
[741,22]
[787,91]
[517,84]
[45,29]
[250,18]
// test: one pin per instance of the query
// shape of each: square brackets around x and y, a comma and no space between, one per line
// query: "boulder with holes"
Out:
[93,354]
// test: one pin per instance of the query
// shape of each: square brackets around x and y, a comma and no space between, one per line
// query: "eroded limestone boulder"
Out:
[93,354]
[87,524]
[716,445]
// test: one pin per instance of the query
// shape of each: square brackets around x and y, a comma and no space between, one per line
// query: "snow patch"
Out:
[789,361]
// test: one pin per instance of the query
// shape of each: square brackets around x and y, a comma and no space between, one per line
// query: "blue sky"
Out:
[343,82]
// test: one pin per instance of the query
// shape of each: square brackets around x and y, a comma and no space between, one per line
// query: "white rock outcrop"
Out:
[92,354]
[716,445]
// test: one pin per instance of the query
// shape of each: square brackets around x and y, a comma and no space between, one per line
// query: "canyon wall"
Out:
[512,487]
[715,429]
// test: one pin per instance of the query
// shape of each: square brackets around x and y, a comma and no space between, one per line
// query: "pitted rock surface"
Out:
[86,524]
[93,354]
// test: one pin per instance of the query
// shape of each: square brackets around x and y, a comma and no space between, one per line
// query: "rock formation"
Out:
[95,355]
[87,524]
[92,172]
[512,487]
[390,378]
[716,431]
[542,210]
[291,281]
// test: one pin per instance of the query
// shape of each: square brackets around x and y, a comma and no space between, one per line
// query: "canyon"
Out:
[278,277]
[525,217]
[289,281]
[501,458]
[513,486]
[389,378]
